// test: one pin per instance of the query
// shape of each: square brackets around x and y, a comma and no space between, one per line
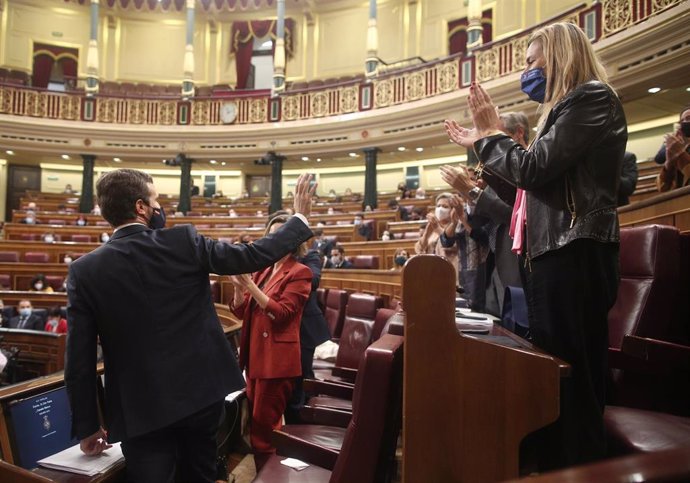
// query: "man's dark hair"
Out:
[317,231]
[340,249]
[54,311]
[118,192]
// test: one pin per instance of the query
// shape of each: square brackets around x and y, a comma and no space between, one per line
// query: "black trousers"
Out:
[569,293]
[298,397]
[186,448]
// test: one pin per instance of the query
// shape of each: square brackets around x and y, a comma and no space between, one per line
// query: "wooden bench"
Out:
[40,353]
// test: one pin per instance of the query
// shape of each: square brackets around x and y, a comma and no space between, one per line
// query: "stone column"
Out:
[86,201]
[279,57]
[371,64]
[185,204]
[188,76]
[370,192]
[276,183]
[92,53]
[474,24]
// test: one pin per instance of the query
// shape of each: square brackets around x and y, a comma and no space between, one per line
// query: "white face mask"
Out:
[386,237]
[335,260]
[358,221]
[442,213]
[49,239]
[68,260]
[38,286]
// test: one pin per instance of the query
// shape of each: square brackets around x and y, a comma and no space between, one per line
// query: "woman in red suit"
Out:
[270,304]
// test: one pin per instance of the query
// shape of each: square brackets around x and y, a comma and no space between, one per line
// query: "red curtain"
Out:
[457,32]
[45,55]
[242,44]
[43,64]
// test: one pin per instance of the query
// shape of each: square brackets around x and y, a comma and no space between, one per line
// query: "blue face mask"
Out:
[25,312]
[533,83]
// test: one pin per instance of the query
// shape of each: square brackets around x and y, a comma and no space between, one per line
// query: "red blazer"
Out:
[270,336]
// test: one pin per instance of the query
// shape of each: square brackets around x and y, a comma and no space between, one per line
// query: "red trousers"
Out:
[267,401]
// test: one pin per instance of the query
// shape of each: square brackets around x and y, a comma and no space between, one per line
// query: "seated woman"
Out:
[55,322]
[39,284]
[401,256]
[271,304]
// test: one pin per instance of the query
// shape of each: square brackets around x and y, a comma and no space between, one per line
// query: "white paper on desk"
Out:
[73,460]
[294,464]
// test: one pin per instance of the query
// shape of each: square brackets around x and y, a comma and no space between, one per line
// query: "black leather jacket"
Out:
[571,172]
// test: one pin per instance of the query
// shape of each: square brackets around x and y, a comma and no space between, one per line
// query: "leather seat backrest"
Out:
[9,256]
[81,238]
[375,410]
[336,300]
[5,282]
[57,222]
[55,281]
[358,329]
[382,316]
[649,286]
[365,261]
[36,257]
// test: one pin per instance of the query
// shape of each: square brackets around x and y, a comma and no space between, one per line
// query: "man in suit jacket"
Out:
[146,295]
[27,319]
[313,331]
[337,259]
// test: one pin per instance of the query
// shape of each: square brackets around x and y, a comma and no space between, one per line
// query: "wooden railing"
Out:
[493,60]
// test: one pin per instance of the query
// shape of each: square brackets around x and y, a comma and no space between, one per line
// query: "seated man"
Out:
[26,319]
[337,259]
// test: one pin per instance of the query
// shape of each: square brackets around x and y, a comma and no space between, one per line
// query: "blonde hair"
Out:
[570,61]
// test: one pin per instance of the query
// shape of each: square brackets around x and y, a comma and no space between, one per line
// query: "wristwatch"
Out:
[474,193]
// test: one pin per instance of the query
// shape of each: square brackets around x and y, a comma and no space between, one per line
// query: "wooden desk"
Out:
[40,353]
[56,251]
[467,403]
[21,273]
[385,250]
[385,283]
[670,208]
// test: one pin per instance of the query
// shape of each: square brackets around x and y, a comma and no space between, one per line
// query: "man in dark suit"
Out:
[337,259]
[26,319]
[628,178]
[313,331]
[146,295]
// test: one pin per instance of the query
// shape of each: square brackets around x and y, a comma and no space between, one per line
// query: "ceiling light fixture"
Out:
[401,148]
[419,150]
[318,160]
[305,158]
[117,160]
[65,156]
[353,155]
[213,161]
[653,90]
[223,163]
[10,152]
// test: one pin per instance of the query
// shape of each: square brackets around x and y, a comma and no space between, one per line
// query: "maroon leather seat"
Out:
[646,305]
[81,238]
[57,222]
[361,452]
[9,257]
[55,281]
[358,327]
[380,321]
[336,300]
[28,236]
[639,431]
[36,257]
[5,282]
[365,261]
[215,291]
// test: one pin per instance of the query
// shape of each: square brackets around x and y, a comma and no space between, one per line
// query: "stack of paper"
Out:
[294,464]
[74,461]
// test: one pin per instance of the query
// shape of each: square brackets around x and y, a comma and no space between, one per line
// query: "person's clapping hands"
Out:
[433,222]
[459,178]
[484,117]
[675,146]
[241,281]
